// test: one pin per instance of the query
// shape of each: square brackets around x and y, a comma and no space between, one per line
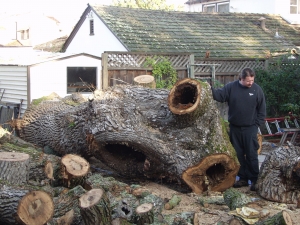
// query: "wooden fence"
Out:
[123,67]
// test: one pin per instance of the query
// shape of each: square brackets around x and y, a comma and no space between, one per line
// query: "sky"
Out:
[62,9]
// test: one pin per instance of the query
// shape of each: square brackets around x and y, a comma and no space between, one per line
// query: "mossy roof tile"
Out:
[224,35]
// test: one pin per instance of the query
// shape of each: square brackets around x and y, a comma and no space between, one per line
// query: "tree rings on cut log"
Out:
[14,167]
[145,81]
[94,208]
[184,97]
[210,174]
[74,167]
[35,208]
[145,214]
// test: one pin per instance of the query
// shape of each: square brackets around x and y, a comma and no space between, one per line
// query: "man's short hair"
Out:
[247,72]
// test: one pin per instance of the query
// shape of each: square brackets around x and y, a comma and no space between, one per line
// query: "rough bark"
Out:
[14,167]
[74,170]
[9,202]
[68,201]
[35,208]
[132,130]
[279,175]
[144,214]
[95,208]
[38,157]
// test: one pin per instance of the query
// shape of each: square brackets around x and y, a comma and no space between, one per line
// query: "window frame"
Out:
[295,6]
[92,27]
[215,6]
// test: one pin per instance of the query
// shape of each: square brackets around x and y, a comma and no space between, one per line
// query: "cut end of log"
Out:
[35,208]
[75,165]
[13,156]
[145,81]
[184,97]
[146,207]
[90,198]
[215,173]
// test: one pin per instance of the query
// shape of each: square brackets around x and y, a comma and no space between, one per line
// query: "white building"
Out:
[26,75]
[288,9]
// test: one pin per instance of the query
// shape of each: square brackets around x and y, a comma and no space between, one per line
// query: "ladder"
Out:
[282,131]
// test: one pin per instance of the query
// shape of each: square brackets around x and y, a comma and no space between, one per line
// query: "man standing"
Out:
[247,111]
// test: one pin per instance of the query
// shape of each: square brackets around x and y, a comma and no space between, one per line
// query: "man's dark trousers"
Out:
[245,143]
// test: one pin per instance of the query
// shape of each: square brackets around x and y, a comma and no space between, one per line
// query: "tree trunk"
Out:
[138,132]
[9,203]
[279,175]
[68,201]
[145,81]
[66,219]
[144,214]
[74,170]
[35,208]
[14,167]
[95,208]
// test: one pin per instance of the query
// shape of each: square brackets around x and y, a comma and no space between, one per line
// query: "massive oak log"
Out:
[279,176]
[176,135]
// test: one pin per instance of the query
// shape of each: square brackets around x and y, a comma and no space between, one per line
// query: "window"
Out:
[81,79]
[91,27]
[222,7]
[295,6]
[24,34]
[209,8]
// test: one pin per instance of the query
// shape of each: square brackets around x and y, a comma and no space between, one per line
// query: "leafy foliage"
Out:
[165,75]
[146,4]
[281,86]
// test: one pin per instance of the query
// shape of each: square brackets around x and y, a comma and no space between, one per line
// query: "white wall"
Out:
[281,7]
[51,76]
[253,6]
[13,81]
[102,40]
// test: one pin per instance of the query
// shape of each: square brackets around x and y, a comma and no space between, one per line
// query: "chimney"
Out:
[262,21]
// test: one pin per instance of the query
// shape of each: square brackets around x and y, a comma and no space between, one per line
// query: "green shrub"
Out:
[165,75]
[281,86]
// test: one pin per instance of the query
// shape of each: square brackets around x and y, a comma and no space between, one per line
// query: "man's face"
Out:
[247,82]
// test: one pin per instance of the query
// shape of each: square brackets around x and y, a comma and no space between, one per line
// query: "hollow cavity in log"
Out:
[184,97]
[124,158]
[210,174]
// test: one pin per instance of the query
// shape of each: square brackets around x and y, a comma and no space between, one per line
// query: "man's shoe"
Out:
[240,183]
[252,187]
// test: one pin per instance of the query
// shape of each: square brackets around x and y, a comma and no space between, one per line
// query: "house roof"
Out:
[52,46]
[224,35]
